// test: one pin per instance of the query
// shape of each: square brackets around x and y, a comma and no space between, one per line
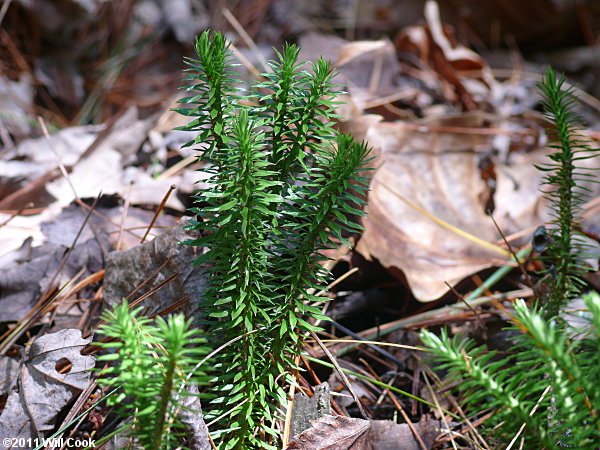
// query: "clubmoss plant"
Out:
[565,192]
[283,184]
[550,384]
[549,381]
[154,361]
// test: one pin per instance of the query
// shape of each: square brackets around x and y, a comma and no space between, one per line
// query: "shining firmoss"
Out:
[156,365]
[566,192]
[283,186]
[548,384]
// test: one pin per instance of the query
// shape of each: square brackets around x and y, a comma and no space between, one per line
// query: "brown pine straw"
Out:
[160,208]
[440,412]
[124,216]
[471,425]
[398,406]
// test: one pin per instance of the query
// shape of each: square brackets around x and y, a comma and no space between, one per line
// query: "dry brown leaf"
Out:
[437,49]
[41,391]
[128,269]
[439,172]
[344,433]
[353,50]
[452,51]
[368,69]
[332,433]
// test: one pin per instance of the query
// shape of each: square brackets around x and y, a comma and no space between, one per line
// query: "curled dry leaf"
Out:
[353,50]
[331,433]
[444,58]
[453,52]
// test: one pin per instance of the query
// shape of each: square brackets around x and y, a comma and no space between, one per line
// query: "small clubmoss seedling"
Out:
[156,364]
[565,192]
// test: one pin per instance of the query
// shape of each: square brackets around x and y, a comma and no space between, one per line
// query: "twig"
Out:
[462,299]
[399,407]
[349,332]
[375,332]
[517,259]
[533,410]
[15,214]
[439,408]
[124,216]
[5,6]
[341,374]
[160,208]
[246,38]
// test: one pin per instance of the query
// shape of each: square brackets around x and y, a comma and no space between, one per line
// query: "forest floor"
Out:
[95,185]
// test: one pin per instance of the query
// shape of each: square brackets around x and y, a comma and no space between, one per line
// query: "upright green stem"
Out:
[275,188]
[565,201]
